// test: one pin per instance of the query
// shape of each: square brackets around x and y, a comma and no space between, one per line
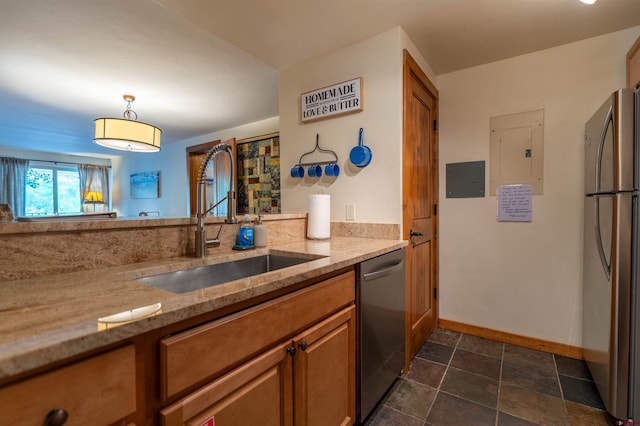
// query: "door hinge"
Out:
[435,210]
[435,125]
[435,292]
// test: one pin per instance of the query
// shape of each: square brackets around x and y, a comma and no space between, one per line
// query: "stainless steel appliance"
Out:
[611,297]
[381,319]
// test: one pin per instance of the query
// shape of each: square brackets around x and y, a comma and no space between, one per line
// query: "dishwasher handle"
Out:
[384,272]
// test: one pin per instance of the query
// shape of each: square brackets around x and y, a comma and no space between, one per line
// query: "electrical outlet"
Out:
[351,212]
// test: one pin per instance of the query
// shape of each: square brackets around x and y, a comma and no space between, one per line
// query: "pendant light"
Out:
[127,134]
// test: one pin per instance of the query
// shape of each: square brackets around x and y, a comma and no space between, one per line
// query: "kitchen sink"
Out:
[206,276]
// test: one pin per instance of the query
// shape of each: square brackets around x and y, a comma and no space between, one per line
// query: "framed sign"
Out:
[331,101]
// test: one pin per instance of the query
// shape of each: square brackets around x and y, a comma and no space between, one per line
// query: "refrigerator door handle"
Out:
[603,259]
[603,134]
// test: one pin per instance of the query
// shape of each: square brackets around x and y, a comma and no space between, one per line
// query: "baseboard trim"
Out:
[514,339]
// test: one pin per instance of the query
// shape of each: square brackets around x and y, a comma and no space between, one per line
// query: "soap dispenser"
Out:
[260,233]
[244,240]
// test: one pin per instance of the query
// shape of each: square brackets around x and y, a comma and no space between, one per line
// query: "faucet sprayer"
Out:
[201,238]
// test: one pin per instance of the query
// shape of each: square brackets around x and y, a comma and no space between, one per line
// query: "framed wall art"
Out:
[258,175]
[145,185]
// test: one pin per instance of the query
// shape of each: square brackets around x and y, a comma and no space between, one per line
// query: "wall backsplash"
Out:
[33,250]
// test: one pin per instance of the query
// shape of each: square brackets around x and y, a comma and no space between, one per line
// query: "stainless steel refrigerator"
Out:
[611,300]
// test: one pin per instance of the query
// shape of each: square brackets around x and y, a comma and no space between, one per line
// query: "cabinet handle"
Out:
[291,350]
[56,417]
[302,345]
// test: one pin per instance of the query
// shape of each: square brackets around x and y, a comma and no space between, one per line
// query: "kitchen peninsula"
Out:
[49,320]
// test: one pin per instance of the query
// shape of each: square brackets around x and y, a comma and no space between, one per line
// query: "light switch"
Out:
[351,212]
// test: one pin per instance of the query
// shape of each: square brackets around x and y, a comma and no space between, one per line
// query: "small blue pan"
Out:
[360,155]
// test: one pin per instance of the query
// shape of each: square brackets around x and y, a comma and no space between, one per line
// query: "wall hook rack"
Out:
[315,168]
[317,148]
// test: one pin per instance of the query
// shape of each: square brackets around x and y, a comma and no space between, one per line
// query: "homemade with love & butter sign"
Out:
[339,99]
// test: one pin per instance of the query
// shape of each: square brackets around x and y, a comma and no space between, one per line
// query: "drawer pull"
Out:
[302,345]
[56,417]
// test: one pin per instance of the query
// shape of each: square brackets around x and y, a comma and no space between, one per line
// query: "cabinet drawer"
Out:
[195,355]
[256,393]
[99,390]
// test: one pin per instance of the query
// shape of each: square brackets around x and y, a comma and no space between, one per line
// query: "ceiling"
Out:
[198,66]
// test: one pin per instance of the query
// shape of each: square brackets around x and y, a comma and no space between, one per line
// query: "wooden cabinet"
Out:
[284,362]
[99,390]
[633,64]
[324,372]
[258,393]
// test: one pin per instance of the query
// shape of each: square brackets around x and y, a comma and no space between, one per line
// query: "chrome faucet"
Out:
[201,237]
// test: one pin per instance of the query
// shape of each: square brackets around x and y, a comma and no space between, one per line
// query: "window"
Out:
[52,189]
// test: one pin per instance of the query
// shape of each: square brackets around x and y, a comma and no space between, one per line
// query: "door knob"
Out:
[412,234]
[302,345]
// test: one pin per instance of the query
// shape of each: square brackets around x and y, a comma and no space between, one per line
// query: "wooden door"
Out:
[195,156]
[324,372]
[419,202]
[256,393]
[633,65]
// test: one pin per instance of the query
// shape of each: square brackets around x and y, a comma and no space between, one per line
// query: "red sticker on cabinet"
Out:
[211,421]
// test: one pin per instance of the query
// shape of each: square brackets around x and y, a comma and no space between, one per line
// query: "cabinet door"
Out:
[190,358]
[256,393]
[98,390]
[324,372]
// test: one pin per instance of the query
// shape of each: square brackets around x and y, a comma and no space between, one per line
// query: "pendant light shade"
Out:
[127,134]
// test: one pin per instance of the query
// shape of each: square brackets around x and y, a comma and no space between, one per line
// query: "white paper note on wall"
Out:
[514,203]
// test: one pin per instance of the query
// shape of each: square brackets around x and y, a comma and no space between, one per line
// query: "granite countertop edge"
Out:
[37,331]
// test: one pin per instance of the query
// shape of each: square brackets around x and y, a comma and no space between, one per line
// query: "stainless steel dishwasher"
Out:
[381,317]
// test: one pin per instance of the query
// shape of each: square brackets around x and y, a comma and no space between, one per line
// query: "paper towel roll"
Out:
[319,223]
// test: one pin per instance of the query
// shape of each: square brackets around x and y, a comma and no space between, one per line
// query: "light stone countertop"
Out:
[45,320]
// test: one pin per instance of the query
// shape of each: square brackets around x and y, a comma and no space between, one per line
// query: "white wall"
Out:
[376,190]
[171,161]
[523,278]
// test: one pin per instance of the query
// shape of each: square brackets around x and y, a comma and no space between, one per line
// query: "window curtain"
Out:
[13,178]
[94,179]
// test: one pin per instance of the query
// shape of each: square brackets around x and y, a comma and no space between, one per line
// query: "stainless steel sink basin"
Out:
[220,273]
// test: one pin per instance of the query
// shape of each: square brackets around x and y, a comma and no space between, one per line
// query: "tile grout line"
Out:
[481,375]
[542,393]
[398,411]
[442,378]
[447,369]
[564,403]
[499,386]
[455,348]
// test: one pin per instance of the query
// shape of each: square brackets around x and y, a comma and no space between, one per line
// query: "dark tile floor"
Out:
[459,379]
